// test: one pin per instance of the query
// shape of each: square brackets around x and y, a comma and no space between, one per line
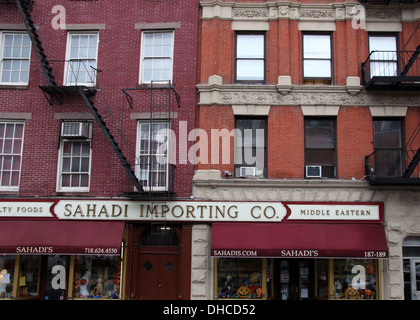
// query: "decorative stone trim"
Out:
[392,111]
[305,11]
[296,95]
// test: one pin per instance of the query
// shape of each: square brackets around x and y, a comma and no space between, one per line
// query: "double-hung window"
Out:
[82,59]
[15,58]
[75,156]
[11,144]
[153,144]
[388,147]
[320,147]
[317,58]
[383,55]
[250,57]
[250,147]
[157,52]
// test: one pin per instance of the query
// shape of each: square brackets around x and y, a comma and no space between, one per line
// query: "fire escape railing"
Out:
[395,166]
[392,69]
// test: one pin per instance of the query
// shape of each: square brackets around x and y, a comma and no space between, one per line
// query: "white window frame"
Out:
[143,57]
[245,59]
[383,63]
[305,58]
[83,67]
[60,166]
[143,175]
[2,155]
[2,44]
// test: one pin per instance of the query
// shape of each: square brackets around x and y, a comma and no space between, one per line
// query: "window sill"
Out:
[72,193]
[14,86]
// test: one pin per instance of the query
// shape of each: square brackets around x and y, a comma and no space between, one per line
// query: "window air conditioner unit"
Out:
[247,171]
[313,171]
[76,130]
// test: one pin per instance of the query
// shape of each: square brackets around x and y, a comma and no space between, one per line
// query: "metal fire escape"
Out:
[54,91]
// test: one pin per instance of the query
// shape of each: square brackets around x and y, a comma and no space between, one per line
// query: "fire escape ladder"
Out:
[416,158]
[25,7]
[412,165]
[99,119]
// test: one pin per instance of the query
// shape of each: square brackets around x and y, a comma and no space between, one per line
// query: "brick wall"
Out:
[118,60]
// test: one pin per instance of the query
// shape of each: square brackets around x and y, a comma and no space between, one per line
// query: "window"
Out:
[317,58]
[250,147]
[75,156]
[384,61]
[156,57]
[250,58]
[15,58]
[152,155]
[320,146]
[97,277]
[11,143]
[82,56]
[387,143]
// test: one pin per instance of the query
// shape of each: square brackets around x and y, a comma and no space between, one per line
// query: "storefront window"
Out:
[7,268]
[240,279]
[97,277]
[355,279]
[29,276]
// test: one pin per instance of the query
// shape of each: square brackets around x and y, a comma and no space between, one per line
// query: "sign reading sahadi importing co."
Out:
[192,211]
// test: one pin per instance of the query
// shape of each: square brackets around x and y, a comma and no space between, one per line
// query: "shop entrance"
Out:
[293,279]
[158,268]
[411,268]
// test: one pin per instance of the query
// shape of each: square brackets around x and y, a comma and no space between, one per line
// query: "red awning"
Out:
[60,237]
[300,240]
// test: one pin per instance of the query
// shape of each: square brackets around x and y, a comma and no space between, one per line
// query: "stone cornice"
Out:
[230,94]
[306,11]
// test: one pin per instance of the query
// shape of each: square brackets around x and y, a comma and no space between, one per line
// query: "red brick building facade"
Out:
[329,87]
[85,88]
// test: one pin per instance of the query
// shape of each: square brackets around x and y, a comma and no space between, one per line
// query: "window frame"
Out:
[68,60]
[238,165]
[331,58]
[264,59]
[143,56]
[400,152]
[9,187]
[60,171]
[138,170]
[334,119]
[396,61]
[2,43]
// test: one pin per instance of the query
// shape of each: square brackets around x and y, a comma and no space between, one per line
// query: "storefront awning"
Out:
[60,237]
[298,240]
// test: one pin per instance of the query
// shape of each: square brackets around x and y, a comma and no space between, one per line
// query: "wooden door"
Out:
[158,276]
[158,266]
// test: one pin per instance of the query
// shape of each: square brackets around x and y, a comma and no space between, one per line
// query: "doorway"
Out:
[411,268]
[158,264]
[294,279]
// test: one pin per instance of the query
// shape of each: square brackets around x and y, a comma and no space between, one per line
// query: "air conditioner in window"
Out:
[76,130]
[313,171]
[247,171]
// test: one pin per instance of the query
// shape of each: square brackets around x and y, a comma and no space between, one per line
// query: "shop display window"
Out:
[29,276]
[354,279]
[97,277]
[241,278]
[7,268]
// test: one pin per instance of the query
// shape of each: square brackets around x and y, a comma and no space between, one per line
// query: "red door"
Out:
[158,271]
[158,276]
